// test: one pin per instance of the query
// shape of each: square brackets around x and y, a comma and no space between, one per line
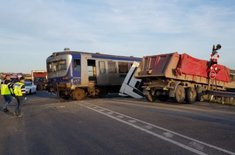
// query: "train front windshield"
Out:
[63,66]
[56,66]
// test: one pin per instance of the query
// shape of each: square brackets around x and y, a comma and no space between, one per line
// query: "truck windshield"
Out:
[39,79]
[55,66]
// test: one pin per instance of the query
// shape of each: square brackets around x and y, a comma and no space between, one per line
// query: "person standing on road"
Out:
[19,91]
[6,92]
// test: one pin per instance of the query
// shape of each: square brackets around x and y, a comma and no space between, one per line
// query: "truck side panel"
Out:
[156,65]
[196,67]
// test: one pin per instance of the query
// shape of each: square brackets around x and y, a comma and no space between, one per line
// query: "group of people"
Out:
[10,89]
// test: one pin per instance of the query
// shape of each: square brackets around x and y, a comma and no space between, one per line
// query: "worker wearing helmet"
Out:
[19,91]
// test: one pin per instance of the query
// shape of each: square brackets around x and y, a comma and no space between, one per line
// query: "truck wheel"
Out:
[199,92]
[163,97]
[180,94]
[150,97]
[191,95]
[101,92]
[79,94]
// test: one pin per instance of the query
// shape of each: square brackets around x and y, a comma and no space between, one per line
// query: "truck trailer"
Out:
[39,78]
[181,76]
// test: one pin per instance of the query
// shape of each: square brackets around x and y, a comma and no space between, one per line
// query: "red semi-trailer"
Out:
[180,76]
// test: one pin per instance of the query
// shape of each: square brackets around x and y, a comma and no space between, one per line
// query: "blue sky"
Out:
[31,30]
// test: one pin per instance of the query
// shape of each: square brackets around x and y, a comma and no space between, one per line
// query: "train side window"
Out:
[123,67]
[112,67]
[91,70]
[77,65]
[102,67]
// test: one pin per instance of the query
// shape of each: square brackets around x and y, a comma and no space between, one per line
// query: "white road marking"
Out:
[168,134]
[147,127]
[172,107]
[39,99]
[150,132]
[180,140]
[101,110]
[119,116]
[132,121]
[61,106]
[196,145]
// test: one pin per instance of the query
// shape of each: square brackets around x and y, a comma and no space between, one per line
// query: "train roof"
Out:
[99,55]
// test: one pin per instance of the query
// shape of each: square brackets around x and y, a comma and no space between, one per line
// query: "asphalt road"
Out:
[116,126]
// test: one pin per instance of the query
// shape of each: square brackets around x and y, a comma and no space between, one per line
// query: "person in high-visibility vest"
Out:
[6,92]
[19,92]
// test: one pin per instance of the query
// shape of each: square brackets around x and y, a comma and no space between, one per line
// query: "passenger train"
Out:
[74,74]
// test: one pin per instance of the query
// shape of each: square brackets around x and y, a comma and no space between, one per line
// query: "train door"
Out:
[76,68]
[91,68]
[102,73]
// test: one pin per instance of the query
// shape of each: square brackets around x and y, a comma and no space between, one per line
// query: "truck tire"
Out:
[191,95]
[79,94]
[150,97]
[101,92]
[180,94]
[163,98]
[199,92]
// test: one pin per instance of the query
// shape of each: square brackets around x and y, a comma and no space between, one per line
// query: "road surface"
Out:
[116,125]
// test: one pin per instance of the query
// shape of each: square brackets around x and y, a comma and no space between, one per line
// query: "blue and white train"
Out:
[74,74]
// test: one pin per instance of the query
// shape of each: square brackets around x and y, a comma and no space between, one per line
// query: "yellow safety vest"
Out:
[17,89]
[5,90]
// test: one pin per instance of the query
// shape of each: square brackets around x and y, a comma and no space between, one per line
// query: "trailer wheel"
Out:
[180,94]
[191,95]
[163,98]
[150,97]
[79,94]
[199,92]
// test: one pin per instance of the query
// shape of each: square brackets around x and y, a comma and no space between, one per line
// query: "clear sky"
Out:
[30,30]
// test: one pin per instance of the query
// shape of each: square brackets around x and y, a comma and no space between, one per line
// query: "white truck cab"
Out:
[132,86]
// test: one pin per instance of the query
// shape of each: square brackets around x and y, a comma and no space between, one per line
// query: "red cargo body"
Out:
[180,66]
[39,74]
[196,67]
